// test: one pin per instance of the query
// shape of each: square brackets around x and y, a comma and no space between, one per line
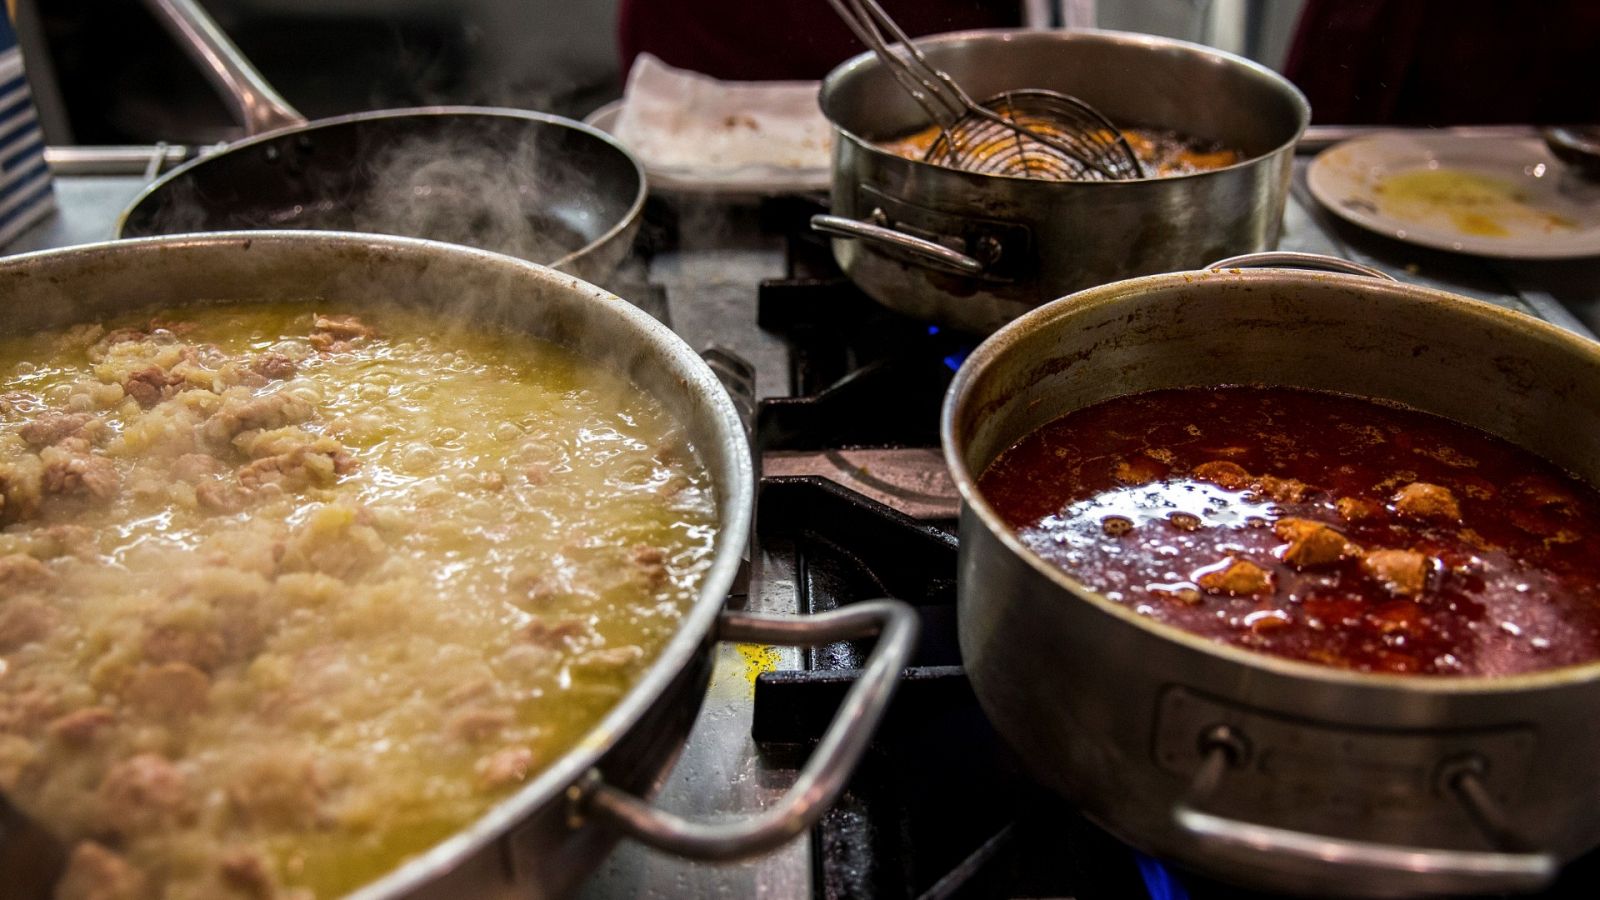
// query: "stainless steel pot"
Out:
[974,251]
[1255,769]
[542,840]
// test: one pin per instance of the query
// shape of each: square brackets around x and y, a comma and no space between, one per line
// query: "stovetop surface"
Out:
[855,504]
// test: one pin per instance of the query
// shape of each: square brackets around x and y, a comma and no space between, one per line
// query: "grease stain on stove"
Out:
[758,658]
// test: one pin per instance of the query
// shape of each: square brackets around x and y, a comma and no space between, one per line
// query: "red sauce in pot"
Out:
[1315,526]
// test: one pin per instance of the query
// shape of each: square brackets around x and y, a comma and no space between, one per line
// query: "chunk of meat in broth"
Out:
[144,793]
[150,385]
[94,872]
[76,474]
[335,333]
[52,427]
[23,620]
[171,690]
[505,766]
[247,413]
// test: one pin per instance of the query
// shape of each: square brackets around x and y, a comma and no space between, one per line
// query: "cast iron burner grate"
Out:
[854,504]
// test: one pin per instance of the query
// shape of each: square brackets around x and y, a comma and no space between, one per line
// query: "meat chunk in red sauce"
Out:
[1401,572]
[1237,578]
[1429,502]
[1356,509]
[1312,543]
[1223,473]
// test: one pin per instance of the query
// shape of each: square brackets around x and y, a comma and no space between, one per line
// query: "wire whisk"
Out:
[1028,132]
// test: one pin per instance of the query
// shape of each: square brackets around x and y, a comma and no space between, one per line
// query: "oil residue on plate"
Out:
[1468,202]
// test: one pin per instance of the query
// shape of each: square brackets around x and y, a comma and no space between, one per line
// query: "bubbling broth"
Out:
[287,597]
[1315,526]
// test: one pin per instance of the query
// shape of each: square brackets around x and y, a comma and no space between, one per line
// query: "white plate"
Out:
[1489,196]
[762,181]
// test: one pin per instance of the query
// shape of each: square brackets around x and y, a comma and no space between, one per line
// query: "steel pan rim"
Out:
[954,445]
[694,632]
[620,227]
[868,61]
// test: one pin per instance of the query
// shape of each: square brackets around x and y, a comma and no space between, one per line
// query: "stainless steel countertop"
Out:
[710,285]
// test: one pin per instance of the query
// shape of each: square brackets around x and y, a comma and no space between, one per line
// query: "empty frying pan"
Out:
[529,184]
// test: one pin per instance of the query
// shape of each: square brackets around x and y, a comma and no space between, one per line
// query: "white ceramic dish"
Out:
[1490,196]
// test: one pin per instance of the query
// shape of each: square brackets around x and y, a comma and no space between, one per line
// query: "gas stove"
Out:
[855,503]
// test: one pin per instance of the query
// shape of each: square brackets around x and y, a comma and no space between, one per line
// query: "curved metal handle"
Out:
[937,254]
[1289,259]
[254,103]
[1405,869]
[825,772]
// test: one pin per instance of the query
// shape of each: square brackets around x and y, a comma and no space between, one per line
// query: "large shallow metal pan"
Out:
[579,192]
[543,839]
[1271,772]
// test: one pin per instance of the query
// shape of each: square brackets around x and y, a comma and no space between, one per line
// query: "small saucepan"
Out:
[1271,772]
[973,251]
[532,185]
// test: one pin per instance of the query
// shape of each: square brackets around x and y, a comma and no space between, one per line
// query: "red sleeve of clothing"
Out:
[750,40]
[1448,62]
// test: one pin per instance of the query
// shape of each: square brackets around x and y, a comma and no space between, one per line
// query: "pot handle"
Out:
[933,253]
[825,772]
[253,102]
[1290,259]
[1433,870]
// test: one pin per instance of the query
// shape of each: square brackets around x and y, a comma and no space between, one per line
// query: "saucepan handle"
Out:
[1291,259]
[935,254]
[825,772]
[1405,869]
[253,102]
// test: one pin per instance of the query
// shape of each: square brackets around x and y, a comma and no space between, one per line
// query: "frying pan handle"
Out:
[1290,259]
[935,254]
[1404,869]
[825,772]
[253,102]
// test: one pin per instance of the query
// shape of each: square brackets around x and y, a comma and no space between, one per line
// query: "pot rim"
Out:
[625,221]
[954,445]
[868,59]
[696,626]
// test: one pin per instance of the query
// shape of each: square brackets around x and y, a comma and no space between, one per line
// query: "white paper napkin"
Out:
[697,132]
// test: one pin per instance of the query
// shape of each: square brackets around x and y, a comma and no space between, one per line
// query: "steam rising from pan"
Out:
[529,186]
[455,188]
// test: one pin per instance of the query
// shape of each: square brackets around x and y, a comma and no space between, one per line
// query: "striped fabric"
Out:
[25,189]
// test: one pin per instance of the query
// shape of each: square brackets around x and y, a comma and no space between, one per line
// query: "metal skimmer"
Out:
[1028,133]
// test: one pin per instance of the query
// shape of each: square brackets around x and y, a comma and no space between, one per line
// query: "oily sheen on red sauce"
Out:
[1315,526]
